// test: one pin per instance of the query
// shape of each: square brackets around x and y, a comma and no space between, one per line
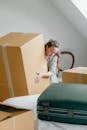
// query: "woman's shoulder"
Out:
[54,57]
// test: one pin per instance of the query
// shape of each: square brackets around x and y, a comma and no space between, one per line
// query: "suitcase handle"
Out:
[68,53]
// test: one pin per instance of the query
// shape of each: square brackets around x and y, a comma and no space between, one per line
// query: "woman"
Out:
[52,54]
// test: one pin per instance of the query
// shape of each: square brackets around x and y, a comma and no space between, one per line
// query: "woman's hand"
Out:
[38,77]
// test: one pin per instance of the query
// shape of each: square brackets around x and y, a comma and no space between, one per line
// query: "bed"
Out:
[46,125]
[30,102]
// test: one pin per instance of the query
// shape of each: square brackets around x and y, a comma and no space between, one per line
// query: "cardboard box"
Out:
[75,75]
[17,120]
[21,56]
[4,89]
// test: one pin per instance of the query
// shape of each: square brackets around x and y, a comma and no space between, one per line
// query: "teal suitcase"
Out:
[63,102]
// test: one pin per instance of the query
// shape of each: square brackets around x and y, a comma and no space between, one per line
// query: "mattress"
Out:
[63,102]
[24,102]
[50,125]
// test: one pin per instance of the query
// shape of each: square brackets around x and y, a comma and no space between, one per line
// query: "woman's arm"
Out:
[40,75]
[44,74]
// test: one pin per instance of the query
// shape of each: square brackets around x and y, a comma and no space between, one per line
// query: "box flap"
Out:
[4,115]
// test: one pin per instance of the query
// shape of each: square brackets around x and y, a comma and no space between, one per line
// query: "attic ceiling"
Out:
[72,13]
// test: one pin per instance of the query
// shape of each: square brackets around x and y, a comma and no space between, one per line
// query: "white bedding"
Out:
[46,125]
[30,102]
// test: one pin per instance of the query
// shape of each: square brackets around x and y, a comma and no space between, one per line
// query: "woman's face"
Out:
[49,51]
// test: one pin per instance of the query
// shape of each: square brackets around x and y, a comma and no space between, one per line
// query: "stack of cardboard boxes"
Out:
[21,56]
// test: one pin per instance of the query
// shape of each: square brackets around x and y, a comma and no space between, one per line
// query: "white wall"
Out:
[73,14]
[42,17]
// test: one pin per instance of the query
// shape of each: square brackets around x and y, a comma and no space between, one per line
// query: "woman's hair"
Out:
[51,43]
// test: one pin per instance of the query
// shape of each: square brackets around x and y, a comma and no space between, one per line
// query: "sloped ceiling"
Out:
[69,10]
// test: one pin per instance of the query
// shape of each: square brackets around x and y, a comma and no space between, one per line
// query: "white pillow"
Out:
[23,102]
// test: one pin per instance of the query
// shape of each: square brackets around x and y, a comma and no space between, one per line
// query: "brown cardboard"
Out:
[21,56]
[4,91]
[75,75]
[4,115]
[20,120]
